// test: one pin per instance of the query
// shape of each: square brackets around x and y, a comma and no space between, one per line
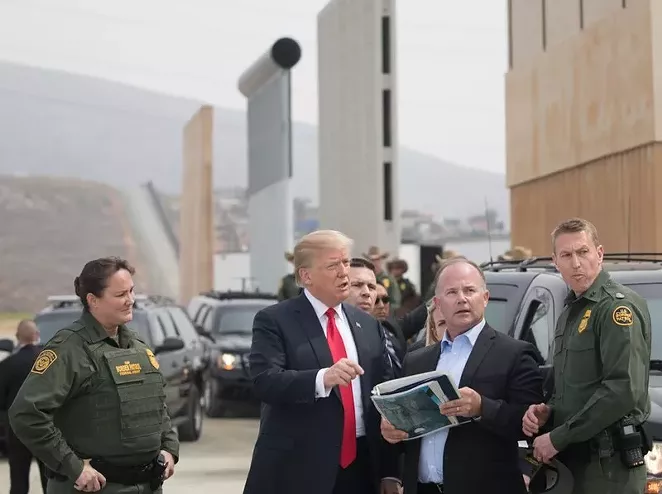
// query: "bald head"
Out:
[27,332]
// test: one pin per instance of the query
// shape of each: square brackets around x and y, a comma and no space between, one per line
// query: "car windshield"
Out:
[237,319]
[652,292]
[50,323]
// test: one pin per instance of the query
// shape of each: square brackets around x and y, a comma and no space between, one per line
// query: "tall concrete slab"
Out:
[266,84]
[358,138]
[196,233]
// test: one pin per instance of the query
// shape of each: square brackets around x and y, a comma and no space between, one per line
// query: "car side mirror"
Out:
[204,333]
[6,345]
[169,344]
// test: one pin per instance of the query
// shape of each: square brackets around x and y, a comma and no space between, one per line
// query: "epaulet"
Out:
[62,336]
[614,290]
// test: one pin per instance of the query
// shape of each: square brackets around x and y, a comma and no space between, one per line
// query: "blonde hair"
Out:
[575,225]
[431,336]
[309,245]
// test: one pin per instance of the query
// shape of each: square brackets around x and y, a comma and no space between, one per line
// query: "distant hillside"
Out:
[49,229]
[54,123]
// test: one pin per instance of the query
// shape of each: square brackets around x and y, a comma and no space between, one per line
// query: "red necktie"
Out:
[337,347]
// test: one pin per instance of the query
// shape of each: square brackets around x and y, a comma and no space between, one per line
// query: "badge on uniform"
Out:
[386,283]
[152,359]
[44,360]
[622,316]
[584,322]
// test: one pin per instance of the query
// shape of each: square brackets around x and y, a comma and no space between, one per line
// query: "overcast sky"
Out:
[452,57]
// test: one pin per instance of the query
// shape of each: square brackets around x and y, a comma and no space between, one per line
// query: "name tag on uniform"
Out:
[128,368]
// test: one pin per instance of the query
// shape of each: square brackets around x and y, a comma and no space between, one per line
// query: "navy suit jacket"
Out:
[298,446]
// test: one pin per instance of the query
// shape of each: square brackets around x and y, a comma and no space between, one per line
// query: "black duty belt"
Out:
[124,475]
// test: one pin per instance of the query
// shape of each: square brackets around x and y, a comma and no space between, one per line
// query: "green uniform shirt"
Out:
[392,289]
[288,287]
[602,348]
[90,396]
[407,289]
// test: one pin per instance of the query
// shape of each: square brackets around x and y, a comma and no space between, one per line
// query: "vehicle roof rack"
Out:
[62,301]
[238,295]
[546,263]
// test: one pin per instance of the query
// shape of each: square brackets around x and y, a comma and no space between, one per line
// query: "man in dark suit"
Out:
[498,379]
[314,361]
[13,371]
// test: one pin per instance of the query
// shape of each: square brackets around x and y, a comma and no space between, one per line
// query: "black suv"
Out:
[527,297]
[182,353]
[227,318]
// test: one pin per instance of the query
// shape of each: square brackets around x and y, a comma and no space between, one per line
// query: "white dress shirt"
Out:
[350,348]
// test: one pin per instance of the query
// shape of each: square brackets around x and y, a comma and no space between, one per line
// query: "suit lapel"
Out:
[361,350]
[483,343]
[313,330]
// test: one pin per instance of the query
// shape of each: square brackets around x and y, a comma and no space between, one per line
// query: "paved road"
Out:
[218,462]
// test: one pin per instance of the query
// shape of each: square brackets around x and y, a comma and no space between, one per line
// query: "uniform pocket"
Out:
[140,392]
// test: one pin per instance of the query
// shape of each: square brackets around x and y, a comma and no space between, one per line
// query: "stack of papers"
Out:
[411,404]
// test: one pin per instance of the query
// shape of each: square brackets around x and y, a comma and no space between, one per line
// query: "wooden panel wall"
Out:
[601,192]
[590,96]
[562,21]
[526,31]
[196,240]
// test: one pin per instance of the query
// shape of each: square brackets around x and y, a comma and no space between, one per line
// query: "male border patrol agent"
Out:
[376,257]
[602,348]
[92,408]
[288,286]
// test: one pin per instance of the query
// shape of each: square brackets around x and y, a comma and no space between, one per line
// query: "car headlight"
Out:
[654,459]
[227,361]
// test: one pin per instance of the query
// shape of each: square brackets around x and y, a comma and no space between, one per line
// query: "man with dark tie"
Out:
[314,361]
[13,371]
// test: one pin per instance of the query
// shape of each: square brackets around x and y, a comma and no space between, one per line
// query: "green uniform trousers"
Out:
[607,476]
[67,487]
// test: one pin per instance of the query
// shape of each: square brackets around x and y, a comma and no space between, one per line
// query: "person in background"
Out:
[288,286]
[409,298]
[434,329]
[13,372]
[93,405]
[377,258]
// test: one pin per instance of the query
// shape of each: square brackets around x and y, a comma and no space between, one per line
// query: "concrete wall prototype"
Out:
[267,86]
[196,231]
[358,137]
[583,111]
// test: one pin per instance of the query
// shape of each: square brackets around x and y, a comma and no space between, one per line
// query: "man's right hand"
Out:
[535,418]
[89,479]
[391,434]
[341,373]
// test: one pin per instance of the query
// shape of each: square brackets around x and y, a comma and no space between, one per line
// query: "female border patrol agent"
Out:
[93,406]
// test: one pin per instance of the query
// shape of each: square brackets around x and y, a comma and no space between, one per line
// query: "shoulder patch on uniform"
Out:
[44,360]
[152,358]
[386,282]
[622,316]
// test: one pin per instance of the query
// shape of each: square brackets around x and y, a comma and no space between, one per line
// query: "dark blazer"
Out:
[13,371]
[482,456]
[298,446]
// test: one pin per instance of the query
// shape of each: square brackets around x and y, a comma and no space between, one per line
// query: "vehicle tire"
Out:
[213,405]
[191,430]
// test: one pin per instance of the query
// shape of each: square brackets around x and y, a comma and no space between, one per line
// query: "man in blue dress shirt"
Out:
[498,379]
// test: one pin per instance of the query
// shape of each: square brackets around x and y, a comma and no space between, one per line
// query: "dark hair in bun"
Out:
[94,276]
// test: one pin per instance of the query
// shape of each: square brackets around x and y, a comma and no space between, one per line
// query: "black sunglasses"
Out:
[385,299]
